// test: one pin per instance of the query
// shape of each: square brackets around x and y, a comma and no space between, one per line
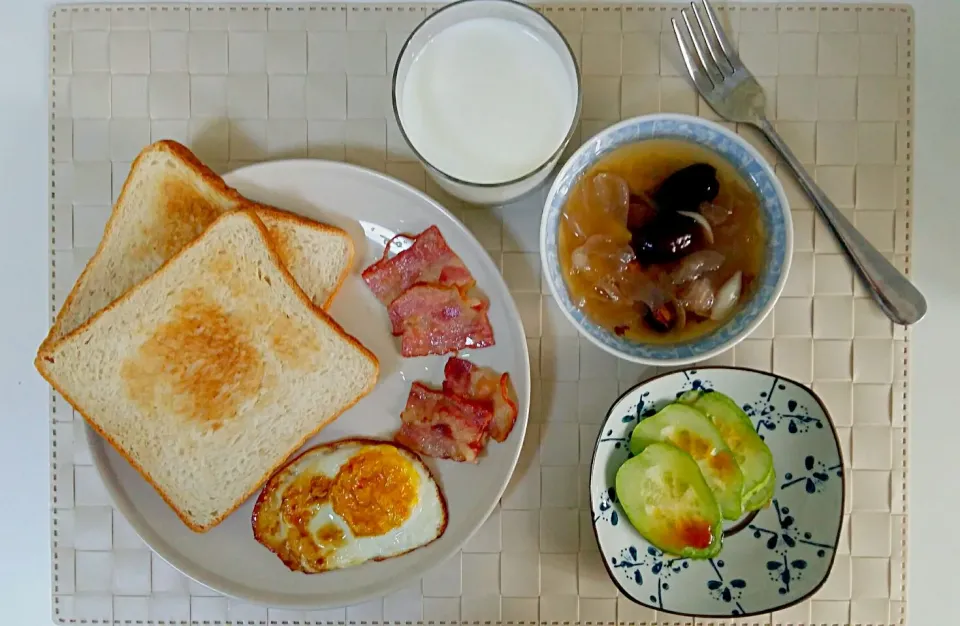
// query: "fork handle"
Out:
[898,298]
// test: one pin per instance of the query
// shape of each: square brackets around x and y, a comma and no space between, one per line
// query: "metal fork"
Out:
[728,86]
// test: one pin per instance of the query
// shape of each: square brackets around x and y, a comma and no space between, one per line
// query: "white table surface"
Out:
[934,505]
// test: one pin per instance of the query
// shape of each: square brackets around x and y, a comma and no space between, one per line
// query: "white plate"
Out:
[372,208]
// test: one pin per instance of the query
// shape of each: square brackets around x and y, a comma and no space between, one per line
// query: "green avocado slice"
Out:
[667,500]
[690,430]
[752,454]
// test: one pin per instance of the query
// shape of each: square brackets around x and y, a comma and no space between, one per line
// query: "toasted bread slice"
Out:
[210,373]
[168,199]
[319,256]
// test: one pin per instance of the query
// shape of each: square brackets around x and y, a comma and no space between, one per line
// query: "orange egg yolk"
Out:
[375,491]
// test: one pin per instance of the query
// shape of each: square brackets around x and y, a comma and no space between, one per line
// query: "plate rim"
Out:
[843,488]
[120,500]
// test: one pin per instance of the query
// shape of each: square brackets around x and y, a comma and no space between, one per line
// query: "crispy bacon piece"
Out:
[434,319]
[428,260]
[444,425]
[483,385]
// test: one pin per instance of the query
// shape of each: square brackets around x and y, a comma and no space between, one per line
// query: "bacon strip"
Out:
[434,319]
[483,384]
[444,425]
[428,260]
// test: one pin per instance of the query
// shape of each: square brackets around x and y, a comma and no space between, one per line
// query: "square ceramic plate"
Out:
[768,562]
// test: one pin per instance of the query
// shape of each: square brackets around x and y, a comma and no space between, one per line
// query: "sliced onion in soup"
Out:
[727,297]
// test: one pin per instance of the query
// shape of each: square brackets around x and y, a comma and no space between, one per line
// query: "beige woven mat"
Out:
[247,83]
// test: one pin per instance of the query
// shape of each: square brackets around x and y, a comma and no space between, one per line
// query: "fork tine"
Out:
[698,74]
[724,66]
[721,37]
[713,71]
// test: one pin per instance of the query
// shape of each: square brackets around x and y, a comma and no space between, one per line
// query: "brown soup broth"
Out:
[741,238]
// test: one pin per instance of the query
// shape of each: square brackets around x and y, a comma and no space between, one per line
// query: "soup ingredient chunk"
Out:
[696,265]
[685,189]
[716,214]
[678,228]
[607,198]
[698,297]
[669,237]
[727,297]
[642,211]
[667,500]
[604,263]
[691,431]
[752,454]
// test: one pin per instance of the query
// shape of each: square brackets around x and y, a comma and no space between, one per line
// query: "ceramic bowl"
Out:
[774,208]
[770,561]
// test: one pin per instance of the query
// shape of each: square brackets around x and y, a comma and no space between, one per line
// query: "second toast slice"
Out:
[167,201]
[319,256]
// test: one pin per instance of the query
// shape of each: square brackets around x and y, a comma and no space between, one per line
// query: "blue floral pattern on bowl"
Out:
[748,162]
[776,559]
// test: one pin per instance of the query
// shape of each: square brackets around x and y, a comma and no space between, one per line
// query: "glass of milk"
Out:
[487,94]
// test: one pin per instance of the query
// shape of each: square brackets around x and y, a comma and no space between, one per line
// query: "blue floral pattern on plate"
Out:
[778,558]
[747,160]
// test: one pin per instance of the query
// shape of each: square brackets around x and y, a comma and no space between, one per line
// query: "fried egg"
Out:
[347,502]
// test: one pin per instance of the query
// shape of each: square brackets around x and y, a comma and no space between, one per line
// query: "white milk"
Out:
[487,100]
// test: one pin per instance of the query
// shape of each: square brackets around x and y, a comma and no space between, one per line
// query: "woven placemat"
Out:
[241,84]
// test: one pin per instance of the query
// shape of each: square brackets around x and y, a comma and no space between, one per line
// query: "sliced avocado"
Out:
[690,430]
[667,500]
[752,454]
